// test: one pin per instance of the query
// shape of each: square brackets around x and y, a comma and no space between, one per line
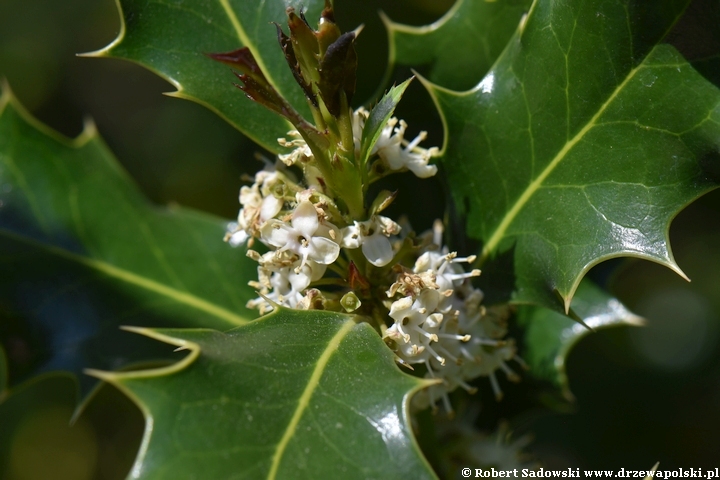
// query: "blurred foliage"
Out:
[40,439]
[642,394]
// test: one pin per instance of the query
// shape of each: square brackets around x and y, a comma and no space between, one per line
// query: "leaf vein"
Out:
[133,279]
[307,394]
[245,40]
[510,216]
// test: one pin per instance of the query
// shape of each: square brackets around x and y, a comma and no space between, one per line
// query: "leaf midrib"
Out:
[510,216]
[245,40]
[304,400]
[113,271]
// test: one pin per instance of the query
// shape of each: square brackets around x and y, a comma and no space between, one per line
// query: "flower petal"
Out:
[351,236]
[377,250]
[300,280]
[305,219]
[323,250]
[317,269]
[271,206]
[238,238]
[275,233]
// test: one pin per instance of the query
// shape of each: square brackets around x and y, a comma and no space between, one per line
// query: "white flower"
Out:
[415,327]
[305,236]
[359,118]
[440,322]
[283,283]
[236,235]
[372,235]
[301,151]
[413,158]
[314,178]
[259,205]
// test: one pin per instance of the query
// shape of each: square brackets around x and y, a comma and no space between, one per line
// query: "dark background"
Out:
[643,395]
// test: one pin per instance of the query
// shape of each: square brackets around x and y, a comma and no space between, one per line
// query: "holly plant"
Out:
[323,333]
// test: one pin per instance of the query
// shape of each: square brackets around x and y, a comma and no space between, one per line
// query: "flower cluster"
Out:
[467,445]
[439,322]
[393,150]
[295,222]
[301,240]
[326,246]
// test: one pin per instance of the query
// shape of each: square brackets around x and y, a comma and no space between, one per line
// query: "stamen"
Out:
[463,276]
[466,354]
[447,406]
[512,376]
[496,387]
[522,363]
[437,357]
[429,369]
[406,337]
[468,388]
[448,354]
[462,338]
[431,336]
[421,136]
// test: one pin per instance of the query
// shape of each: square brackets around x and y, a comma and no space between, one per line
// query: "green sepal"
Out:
[378,118]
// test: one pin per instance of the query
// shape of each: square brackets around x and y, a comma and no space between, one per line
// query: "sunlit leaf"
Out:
[457,50]
[550,336]
[84,252]
[171,38]
[581,144]
[295,394]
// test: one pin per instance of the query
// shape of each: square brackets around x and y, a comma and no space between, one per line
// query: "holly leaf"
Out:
[457,50]
[550,336]
[83,252]
[581,144]
[294,394]
[173,38]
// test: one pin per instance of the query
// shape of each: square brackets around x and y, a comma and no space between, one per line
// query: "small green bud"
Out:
[350,302]
[382,201]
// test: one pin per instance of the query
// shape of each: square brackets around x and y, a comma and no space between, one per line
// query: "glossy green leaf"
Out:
[378,118]
[459,48]
[172,37]
[295,394]
[84,252]
[550,336]
[581,144]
